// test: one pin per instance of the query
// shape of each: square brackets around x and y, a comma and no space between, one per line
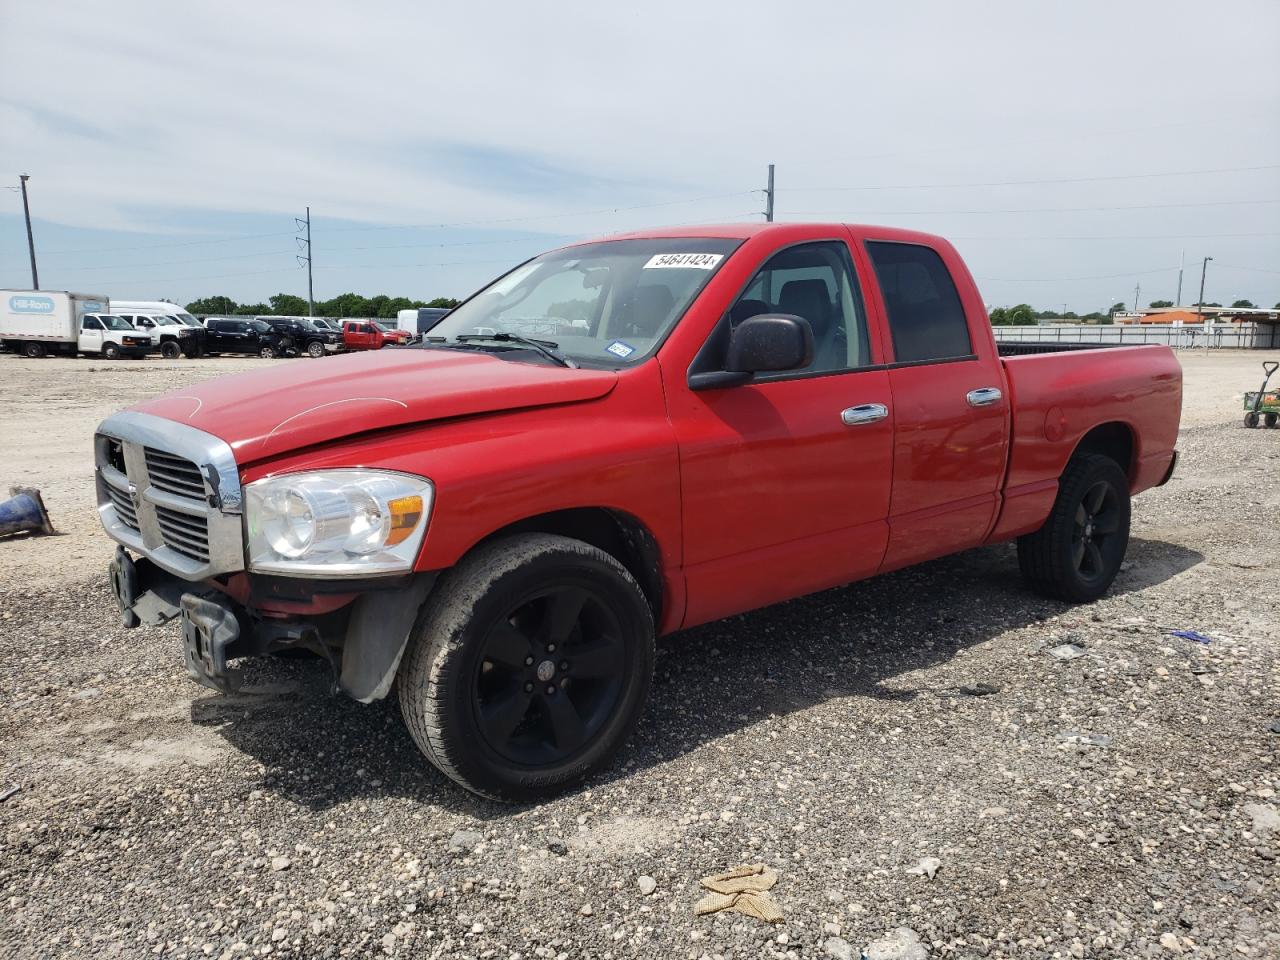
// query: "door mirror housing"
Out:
[770,342]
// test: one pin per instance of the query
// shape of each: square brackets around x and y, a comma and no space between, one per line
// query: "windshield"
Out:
[609,302]
[189,320]
[115,323]
[163,321]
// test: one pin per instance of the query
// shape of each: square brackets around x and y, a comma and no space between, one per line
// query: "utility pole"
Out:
[1204,267]
[31,243]
[311,306]
[1064,313]
[768,198]
[1137,292]
[1182,262]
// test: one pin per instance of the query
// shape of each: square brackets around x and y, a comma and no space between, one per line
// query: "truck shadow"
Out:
[852,641]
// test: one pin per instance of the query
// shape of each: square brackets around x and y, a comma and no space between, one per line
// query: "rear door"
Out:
[785,479]
[951,417]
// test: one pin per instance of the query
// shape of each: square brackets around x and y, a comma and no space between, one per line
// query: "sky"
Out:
[1072,152]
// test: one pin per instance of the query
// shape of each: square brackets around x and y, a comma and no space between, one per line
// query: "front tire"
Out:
[267,353]
[1250,419]
[111,351]
[170,350]
[529,667]
[1076,555]
[315,349]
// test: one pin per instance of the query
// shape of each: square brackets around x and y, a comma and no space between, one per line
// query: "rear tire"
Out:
[1270,419]
[1076,555]
[529,666]
[170,350]
[315,349]
[267,353]
[33,350]
[1250,419]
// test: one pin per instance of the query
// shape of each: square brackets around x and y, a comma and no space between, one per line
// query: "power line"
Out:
[1101,276]
[1018,183]
[158,246]
[546,216]
[932,213]
[1133,236]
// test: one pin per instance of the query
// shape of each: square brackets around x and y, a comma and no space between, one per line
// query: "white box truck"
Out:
[37,323]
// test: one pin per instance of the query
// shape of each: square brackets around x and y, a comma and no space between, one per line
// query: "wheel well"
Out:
[1114,440]
[618,534]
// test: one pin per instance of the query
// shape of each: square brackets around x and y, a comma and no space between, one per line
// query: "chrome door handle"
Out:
[983,396]
[863,413]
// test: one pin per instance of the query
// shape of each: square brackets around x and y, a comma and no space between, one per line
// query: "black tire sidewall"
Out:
[1251,420]
[467,757]
[315,349]
[1091,470]
[170,350]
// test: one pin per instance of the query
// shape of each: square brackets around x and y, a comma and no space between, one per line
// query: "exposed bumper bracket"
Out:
[208,629]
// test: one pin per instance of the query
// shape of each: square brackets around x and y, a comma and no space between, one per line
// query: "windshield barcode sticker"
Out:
[687,261]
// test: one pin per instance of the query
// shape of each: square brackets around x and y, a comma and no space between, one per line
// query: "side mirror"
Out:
[768,342]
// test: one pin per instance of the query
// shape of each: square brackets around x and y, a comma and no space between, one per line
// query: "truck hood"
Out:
[277,410]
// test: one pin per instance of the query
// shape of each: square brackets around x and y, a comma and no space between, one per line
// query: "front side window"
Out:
[814,281]
[926,318]
[609,303]
[113,322]
[90,323]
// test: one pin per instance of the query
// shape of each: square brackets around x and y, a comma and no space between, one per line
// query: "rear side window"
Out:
[926,318]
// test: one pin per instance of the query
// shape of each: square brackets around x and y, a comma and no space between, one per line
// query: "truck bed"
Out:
[1019,348]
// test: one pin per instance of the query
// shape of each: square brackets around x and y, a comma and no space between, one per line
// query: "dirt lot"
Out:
[1119,803]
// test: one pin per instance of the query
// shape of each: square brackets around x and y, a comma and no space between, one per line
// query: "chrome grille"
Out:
[170,493]
[182,532]
[124,507]
[175,475]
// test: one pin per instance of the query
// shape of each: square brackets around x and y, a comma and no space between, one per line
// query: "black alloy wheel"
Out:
[529,666]
[1077,553]
[1097,526]
[548,675]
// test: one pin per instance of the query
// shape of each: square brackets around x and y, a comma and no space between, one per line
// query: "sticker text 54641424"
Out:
[687,261]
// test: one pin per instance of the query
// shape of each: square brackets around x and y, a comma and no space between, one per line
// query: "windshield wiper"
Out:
[548,348]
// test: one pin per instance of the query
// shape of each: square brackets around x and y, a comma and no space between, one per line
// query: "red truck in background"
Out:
[613,441]
[371,335]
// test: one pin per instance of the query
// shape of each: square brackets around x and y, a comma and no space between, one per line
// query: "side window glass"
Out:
[90,323]
[926,317]
[814,281]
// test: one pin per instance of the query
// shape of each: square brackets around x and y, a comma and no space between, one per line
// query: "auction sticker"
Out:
[687,261]
[620,349]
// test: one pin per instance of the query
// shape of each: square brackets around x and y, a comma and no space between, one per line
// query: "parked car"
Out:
[371,335]
[301,336]
[175,330]
[175,339]
[243,335]
[418,321]
[37,323]
[621,439]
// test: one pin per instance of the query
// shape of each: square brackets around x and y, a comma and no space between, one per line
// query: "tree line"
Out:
[288,305]
[1026,315]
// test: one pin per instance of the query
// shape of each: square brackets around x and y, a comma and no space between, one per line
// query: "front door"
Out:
[91,330]
[785,480]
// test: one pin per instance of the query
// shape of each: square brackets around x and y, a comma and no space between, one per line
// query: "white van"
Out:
[176,332]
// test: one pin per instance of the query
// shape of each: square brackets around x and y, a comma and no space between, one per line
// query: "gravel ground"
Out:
[1089,785]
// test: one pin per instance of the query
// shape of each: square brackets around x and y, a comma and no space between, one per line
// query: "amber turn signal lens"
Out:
[406,512]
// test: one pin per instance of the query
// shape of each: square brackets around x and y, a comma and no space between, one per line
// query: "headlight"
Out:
[336,523]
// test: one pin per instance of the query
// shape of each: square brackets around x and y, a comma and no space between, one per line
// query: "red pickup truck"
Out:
[370,335]
[613,441]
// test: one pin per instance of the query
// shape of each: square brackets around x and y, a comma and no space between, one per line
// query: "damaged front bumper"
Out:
[363,639]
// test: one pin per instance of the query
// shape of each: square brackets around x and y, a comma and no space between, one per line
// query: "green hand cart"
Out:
[1263,406]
